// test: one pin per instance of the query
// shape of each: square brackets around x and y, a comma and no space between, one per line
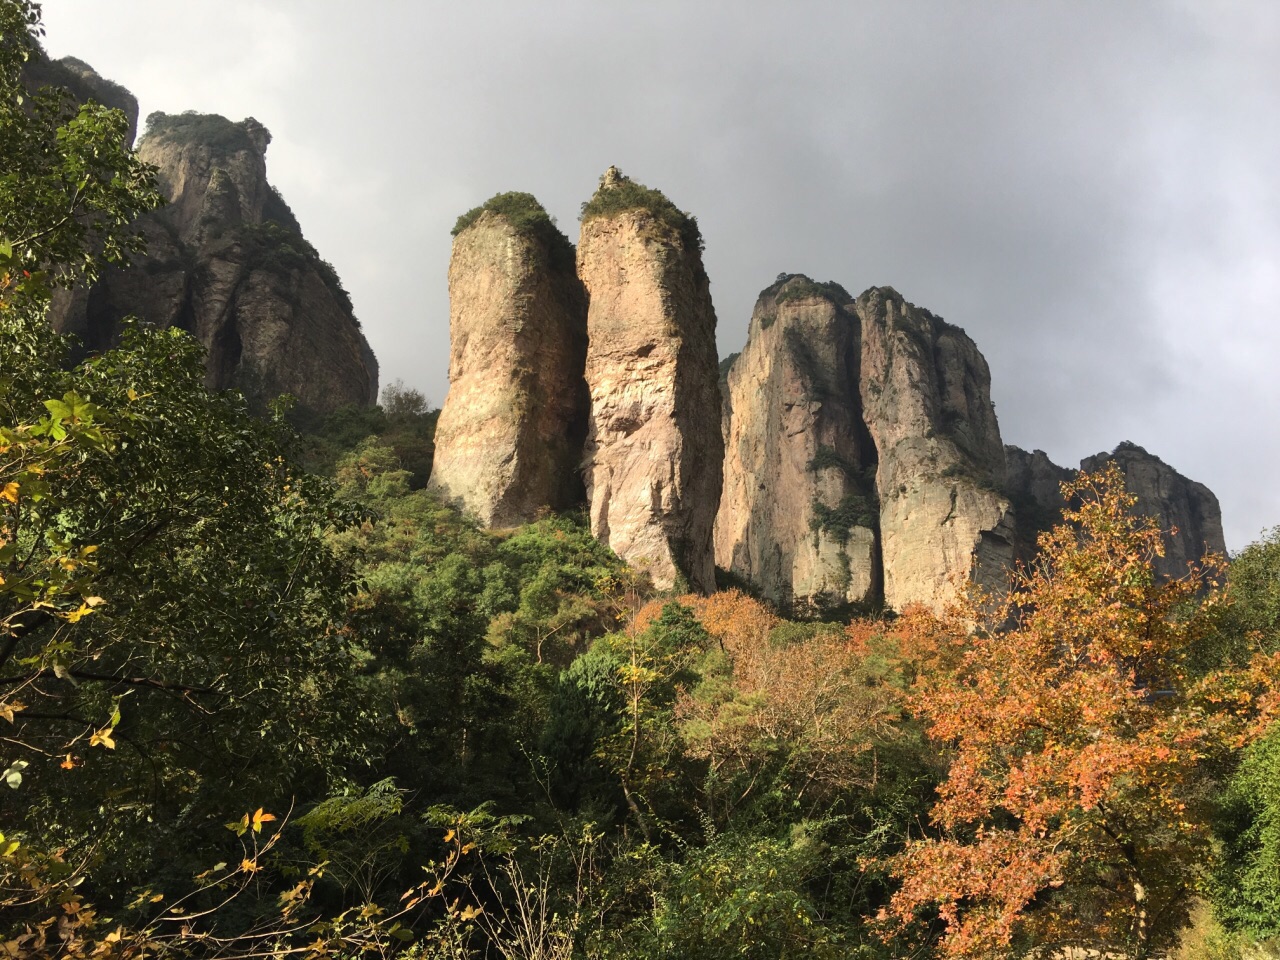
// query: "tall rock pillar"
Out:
[654,449]
[799,514]
[509,440]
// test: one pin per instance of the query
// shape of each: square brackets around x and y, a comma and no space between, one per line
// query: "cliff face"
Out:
[226,261]
[509,440]
[926,401]
[654,450]
[1033,483]
[1187,511]
[798,515]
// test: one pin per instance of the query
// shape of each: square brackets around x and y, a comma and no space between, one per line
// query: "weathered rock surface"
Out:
[227,261]
[1033,483]
[927,403]
[654,448]
[1187,511]
[798,516]
[509,440]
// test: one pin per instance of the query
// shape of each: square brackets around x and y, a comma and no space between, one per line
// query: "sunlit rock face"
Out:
[926,401]
[226,261]
[654,450]
[1186,511]
[510,436]
[798,517]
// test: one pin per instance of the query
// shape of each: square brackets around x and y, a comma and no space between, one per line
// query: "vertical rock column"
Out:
[654,449]
[799,514]
[926,398]
[509,440]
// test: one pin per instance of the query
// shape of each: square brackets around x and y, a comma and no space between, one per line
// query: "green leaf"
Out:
[12,775]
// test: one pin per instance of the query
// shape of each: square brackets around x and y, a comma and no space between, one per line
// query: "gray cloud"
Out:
[1088,188]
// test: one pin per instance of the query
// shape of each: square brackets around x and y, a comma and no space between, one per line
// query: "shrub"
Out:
[625,194]
[208,128]
[526,216]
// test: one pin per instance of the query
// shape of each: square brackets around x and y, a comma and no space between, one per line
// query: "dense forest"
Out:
[264,694]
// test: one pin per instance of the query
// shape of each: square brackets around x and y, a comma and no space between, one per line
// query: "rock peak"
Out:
[612,178]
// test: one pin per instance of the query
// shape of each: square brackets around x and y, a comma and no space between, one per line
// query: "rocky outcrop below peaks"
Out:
[926,400]
[509,440]
[799,514]
[226,261]
[1186,511]
[654,450]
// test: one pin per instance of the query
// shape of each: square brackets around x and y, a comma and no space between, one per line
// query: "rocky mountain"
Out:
[798,516]
[509,440]
[1185,510]
[652,462]
[84,83]
[226,260]
[864,458]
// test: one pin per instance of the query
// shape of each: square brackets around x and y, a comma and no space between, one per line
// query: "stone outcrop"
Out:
[509,440]
[798,516]
[1033,483]
[1186,511]
[652,463]
[226,260]
[84,84]
[926,401]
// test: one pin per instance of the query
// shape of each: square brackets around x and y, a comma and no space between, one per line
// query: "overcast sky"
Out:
[1090,189]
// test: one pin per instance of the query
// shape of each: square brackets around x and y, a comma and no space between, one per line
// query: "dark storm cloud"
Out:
[1087,188]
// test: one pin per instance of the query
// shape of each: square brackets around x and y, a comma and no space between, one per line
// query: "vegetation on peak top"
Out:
[526,216]
[211,129]
[797,286]
[620,193]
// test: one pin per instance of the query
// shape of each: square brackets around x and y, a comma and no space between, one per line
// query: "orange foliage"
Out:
[802,714]
[1076,728]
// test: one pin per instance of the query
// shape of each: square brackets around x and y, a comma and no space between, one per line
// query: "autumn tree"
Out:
[1072,814]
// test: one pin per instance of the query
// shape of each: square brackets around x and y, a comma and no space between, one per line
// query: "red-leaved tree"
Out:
[1077,729]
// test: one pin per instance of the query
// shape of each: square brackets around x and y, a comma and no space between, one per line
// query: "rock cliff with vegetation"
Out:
[510,435]
[654,448]
[226,261]
[798,516]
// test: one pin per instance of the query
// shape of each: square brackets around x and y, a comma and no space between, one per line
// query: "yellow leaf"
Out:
[470,913]
[7,710]
[249,866]
[260,818]
[103,738]
[9,492]
[448,836]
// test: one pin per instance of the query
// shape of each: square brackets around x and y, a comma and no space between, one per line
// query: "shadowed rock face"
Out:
[85,84]
[926,401]
[798,515]
[654,448]
[509,440]
[1033,483]
[1187,511]
[226,261]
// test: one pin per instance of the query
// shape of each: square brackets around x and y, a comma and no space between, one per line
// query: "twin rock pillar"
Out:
[595,379]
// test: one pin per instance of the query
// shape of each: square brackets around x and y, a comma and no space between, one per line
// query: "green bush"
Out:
[207,128]
[626,194]
[528,217]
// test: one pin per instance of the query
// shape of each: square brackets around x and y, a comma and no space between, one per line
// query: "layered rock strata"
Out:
[509,440]
[226,261]
[654,450]
[798,516]
[926,400]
